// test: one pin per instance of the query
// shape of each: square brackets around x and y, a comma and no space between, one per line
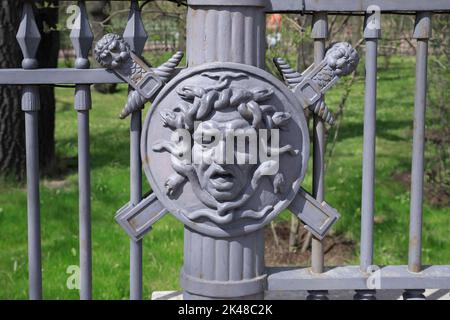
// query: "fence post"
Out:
[217,31]
[81,37]
[319,34]
[422,32]
[136,37]
[29,38]
[372,31]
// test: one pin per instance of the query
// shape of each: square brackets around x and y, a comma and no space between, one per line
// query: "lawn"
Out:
[163,246]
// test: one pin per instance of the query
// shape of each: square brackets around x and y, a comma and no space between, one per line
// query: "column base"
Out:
[197,288]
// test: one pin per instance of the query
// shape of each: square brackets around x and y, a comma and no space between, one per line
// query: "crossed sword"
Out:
[308,87]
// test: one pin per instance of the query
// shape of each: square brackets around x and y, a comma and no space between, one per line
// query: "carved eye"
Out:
[114,46]
[124,56]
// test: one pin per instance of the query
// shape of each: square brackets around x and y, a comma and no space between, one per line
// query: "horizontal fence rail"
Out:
[318,279]
[60,76]
[352,278]
[356,6]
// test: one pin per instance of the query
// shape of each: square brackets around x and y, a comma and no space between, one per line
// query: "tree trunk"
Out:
[12,141]
[47,20]
[12,134]
[100,10]
[294,234]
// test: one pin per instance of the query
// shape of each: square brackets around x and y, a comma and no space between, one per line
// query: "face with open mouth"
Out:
[223,180]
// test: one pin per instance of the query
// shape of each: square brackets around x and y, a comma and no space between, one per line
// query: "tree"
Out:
[12,141]
[100,12]
[12,144]
[48,53]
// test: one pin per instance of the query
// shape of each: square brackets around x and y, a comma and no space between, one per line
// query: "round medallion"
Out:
[225,148]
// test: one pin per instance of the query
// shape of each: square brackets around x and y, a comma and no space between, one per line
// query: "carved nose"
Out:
[220,152]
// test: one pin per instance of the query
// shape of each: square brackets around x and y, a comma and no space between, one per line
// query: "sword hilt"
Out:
[113,53]
[340,60]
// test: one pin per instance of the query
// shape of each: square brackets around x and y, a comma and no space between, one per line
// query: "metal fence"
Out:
[413,278]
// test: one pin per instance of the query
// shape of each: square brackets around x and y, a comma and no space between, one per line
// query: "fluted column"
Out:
[230,268]
[226,33]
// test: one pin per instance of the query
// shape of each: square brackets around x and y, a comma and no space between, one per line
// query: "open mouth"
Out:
[222,175]
[222,179]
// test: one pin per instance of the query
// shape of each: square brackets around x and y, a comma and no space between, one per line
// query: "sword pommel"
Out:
[113,53]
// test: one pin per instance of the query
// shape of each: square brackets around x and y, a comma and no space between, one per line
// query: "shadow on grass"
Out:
[352,130]
[106,147]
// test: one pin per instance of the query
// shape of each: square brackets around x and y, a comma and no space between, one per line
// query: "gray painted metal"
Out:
[319,34]
[136,35]
[28,37]
[84,181]
[62,76]
[318,217]
[231,34]
[34,220]
[138,220]
[122,60]
[368,174]
[321,76]
[311,85]
[204,205]
[311,6]
[223,268]
[82,37]
[372,31]
[228,3]
[351,277]
[422,32]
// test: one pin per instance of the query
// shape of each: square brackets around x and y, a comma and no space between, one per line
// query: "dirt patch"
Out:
[338,250]
[435,194]
[55,184]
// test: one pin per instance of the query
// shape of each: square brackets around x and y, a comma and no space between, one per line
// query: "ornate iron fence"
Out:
[221,262]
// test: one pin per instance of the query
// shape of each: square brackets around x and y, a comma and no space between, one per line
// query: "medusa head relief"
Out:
[225,147]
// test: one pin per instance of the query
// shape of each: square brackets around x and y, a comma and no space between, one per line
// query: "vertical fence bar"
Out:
[28,38]
[81,37]
[319,34]
[136,37]
[372,31]
[422,32]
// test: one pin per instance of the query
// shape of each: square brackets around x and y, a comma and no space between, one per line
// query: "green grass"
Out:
[163,246]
